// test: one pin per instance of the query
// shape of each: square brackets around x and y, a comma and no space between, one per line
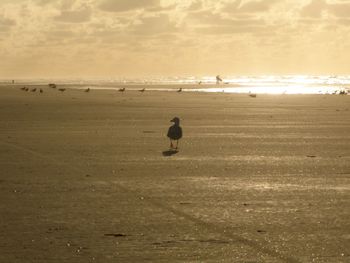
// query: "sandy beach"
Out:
[83,177]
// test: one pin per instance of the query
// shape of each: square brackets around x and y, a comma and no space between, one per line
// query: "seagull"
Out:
[179,90]
[142,90]
[175,133]
[61,89]
[122,89]
[87,90]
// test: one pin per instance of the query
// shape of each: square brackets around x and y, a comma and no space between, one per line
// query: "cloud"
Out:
[340,10]
[154,25]
[253,6]
[209,23]
[149,32]
[229,30]
[123,5]
[316,8]
[77,16]
[256,6]
[195,6]
[6,24]
[344,21]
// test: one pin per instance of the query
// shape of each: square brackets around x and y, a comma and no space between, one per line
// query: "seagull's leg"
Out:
[177,143]
[171,144]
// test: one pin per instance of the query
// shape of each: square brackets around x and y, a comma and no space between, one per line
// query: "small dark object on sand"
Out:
[41,91]
[149,132]
[179,90]
[121,89]
[115,235]
[142,90]
[175,132]
[169,153]
[61,89]
[87,90]
[52,85]
[33,90]
[252,95]
[311,156]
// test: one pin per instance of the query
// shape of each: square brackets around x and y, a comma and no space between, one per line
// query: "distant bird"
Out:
[24,88]
[142,90]
[33,90]
[41,91]
[87,90]
[52,85]
[122,89]
[175,132]
[218,79]
[179,90]
[253,95]
[61,89]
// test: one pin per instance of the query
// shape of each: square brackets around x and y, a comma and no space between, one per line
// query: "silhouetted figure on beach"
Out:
[175,132]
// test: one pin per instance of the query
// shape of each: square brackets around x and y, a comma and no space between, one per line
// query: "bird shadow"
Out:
[170,152]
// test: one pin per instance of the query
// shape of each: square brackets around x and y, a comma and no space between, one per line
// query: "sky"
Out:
[143,38]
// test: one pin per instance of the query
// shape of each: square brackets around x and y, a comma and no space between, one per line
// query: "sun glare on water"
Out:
[299,84]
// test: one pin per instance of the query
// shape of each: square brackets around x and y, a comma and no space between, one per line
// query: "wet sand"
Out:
[83,177]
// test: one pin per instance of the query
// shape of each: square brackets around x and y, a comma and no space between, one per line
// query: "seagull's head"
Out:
[176,120]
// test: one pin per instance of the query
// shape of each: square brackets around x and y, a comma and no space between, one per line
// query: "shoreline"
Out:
[203,88]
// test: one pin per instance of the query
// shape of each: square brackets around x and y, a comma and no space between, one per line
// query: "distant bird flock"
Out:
[142,90]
